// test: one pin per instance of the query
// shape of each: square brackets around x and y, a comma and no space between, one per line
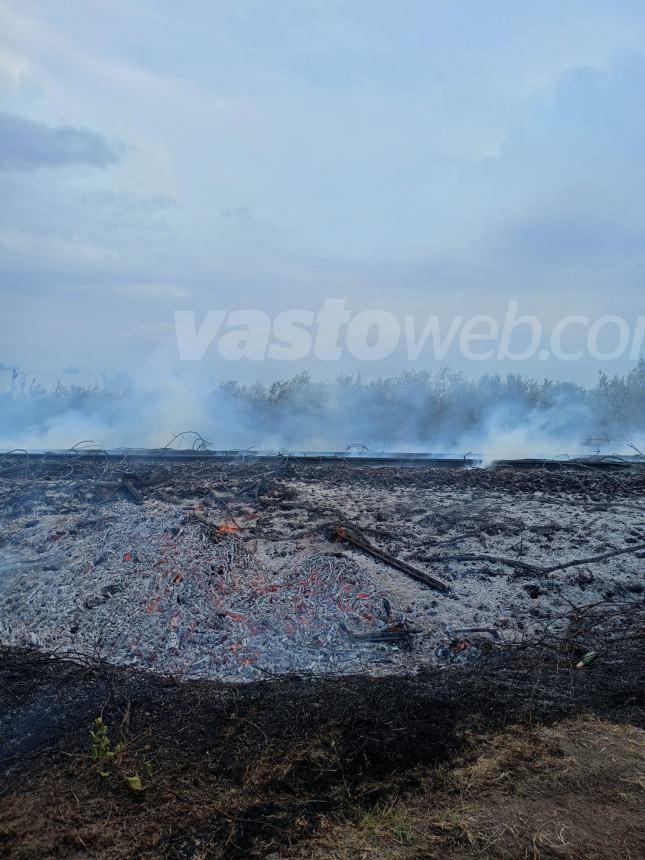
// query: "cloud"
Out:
[13,66]
[239,214]
[576,238]
[160,292]
[46,250]
[127,202]
[581,138]
[27,145]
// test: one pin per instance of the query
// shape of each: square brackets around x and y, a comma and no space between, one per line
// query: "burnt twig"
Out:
[529,567]
[342,534]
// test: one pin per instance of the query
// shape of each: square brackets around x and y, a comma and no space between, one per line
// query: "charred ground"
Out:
[281,766]
[511,752]
[236,571]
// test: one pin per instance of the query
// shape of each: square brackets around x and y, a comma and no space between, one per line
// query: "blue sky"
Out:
[442,157]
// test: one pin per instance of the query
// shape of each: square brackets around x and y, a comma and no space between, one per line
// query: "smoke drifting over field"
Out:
[432,411]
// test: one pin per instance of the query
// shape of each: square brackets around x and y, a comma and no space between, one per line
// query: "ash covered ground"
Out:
[235,571]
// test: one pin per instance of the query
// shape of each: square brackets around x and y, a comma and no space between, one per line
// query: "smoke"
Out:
[438,411]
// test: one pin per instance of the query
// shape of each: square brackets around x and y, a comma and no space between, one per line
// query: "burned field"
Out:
[236,571]
[302,658]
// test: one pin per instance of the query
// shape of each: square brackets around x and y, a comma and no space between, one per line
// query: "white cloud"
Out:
[43,250]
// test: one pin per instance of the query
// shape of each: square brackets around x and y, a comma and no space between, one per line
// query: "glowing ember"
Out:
[227,529]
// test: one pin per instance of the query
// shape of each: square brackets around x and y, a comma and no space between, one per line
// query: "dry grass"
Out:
[574,790]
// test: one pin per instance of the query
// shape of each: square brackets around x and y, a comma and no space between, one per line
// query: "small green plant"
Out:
[134,782]
[108,758]
[102,751]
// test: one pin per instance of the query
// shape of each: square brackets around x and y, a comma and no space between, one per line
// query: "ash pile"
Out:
[239,571]
[150,588]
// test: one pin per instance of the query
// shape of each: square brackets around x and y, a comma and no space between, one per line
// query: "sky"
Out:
[420,156]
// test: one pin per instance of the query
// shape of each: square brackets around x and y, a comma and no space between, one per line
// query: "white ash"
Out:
[146,589]
[146,586]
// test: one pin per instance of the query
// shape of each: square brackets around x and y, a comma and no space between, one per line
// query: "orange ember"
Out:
[227,529]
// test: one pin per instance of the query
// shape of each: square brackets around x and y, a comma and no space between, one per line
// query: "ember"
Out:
[227,529]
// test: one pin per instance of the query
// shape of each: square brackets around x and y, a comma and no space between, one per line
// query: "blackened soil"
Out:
[239,771]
